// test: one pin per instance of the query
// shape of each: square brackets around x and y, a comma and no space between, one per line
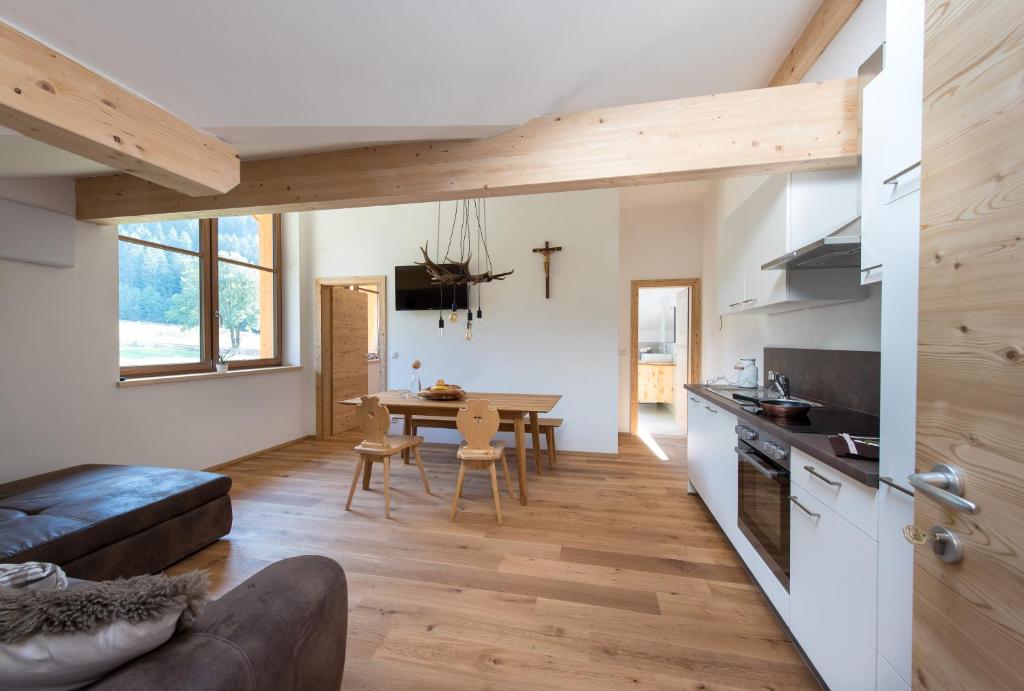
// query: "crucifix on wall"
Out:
[547,250]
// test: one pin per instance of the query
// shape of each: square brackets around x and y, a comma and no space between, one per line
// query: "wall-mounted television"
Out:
[414,291]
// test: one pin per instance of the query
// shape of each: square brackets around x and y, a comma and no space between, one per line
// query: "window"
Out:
[191,290]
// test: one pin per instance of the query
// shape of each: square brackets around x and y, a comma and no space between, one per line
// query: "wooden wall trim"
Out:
[46,96]
[830,17]
[791,128]
[254,454]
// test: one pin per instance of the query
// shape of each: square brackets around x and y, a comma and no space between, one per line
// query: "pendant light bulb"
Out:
[440,327]
[469,331]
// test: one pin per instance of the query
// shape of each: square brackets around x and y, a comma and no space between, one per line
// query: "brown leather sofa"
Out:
[281,630]
[100,522]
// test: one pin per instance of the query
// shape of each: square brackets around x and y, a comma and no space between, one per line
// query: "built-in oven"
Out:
[763,508]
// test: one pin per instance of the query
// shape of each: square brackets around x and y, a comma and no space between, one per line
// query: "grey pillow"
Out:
[88,605]
[64,639]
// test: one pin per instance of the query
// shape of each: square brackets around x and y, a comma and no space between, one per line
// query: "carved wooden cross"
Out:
[547,250]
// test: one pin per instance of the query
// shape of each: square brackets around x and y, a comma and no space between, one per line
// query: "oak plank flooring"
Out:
[613,577]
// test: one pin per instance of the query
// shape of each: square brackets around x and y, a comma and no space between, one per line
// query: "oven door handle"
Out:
[760,467]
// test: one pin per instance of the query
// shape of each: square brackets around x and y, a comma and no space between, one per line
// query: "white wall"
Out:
[59,403]
[661,241]
[849,326]
[565,345]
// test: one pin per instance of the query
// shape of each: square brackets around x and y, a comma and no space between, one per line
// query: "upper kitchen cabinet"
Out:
[891,133]
[822,203]
[731,269]
[786,210]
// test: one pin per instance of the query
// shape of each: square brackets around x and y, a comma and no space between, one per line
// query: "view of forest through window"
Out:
[160,284]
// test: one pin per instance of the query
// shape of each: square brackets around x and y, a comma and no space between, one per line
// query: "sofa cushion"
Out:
[60,516]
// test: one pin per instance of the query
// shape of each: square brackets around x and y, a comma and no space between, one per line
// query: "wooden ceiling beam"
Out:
[48,97]
[830,17]
[791,128]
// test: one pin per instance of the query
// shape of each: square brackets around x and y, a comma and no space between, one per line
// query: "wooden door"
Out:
[969,616]
[344,324]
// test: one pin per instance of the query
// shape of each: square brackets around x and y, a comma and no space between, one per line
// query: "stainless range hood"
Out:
[832,252]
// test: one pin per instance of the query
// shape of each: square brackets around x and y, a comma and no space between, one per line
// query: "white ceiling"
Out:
[274,77]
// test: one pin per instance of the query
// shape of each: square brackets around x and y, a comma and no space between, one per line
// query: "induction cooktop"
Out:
[825,420]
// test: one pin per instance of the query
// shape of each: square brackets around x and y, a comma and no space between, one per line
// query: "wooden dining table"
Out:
[511,406]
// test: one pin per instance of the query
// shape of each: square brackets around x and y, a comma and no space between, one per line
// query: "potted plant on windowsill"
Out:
[222,362]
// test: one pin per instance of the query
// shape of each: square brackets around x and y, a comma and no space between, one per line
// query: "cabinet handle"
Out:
[815,473]
[895,179]
[804,508]
[710,410]
[889,481]
[870,268]
[735,304]
[695,400]
[749,300]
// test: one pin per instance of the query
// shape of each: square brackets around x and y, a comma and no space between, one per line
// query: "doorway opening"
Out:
[351,342]
[664,354]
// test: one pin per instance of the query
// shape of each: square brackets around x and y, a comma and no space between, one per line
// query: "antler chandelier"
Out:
[469,224]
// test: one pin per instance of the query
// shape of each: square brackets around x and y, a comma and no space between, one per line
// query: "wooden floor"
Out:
[613,577]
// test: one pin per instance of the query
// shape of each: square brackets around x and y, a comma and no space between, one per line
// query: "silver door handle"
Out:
[945,485]
[815,473]
[804,508]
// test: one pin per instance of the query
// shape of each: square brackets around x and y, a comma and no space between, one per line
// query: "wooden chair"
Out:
[377,447]
[478,422]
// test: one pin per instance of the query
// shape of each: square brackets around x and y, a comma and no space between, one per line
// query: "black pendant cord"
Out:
[479,289]
[440,288]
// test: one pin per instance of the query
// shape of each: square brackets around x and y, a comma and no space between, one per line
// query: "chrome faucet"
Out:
[779,382]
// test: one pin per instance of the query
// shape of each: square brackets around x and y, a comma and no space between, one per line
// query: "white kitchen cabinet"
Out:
[891,131]
[732,239]
[767,224]
[854,501]
[904,62]
[698,442]
[821,203]
[721,478]
[757,233]
[873,106]
[833,593]
[897,431]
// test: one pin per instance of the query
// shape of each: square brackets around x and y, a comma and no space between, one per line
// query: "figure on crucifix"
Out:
[547,250]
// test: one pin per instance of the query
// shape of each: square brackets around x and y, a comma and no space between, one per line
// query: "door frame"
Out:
[322,342]
[693,284]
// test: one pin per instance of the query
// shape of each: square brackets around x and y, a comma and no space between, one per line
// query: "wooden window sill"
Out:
[175,378]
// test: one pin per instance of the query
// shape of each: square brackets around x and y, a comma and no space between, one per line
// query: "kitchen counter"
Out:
[656,364]
[815,445]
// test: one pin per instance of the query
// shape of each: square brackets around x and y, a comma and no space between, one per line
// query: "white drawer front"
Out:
[853,501]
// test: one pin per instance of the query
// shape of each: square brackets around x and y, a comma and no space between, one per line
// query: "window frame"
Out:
[209,263]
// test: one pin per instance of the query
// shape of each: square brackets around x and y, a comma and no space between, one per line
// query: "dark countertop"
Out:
[814,445]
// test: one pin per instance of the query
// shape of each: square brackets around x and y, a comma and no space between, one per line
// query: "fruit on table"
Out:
[439,386]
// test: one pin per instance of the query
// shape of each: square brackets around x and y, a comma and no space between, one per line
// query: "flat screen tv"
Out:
[414,291]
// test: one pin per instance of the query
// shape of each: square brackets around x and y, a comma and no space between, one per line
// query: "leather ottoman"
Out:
[108,521]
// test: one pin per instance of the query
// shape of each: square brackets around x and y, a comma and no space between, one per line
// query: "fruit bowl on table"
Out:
[452,393]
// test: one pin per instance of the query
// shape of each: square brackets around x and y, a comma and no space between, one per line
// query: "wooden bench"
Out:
[547,425]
